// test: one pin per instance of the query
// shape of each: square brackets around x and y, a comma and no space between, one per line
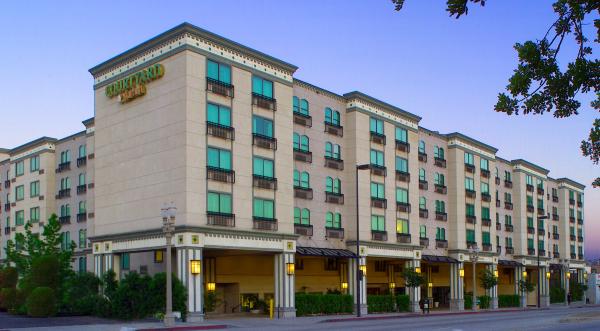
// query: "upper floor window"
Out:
[401,135]
[485,188]
[484,163]
[376,126]
[218,114]
[421,147]
[34,189]
[333,185]
[81,179]
[262,126]
[469,159]
[301,179]
[65,210]
[82,150]
[219,158]
[219,203]
[82,207]
[332,117]
[65,183]
[422,177]
[470,209]
[377,223]
[469,184]
[218,71]
[263,167]
[301,216]
[439,179]
[402,226]
[34,163]
[507,176]
[440,206]
[401,195]
[438,152]
[20,217]
[19,193]
[440,234]
[377,190]
[333,220]
[65,156]
[262,87]
[19,168]
[422,203]
[507,197]
[422,231]
[332,151]
[301,142]
[540,183]
[401,164]
[377,158]
[263,208]
[529,180]
[34,214]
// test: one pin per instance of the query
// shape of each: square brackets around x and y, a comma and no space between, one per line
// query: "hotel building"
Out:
[262,168]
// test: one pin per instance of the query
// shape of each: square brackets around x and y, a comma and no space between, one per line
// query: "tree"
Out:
[538,84]
[525,286]
[488,279]
[412,278]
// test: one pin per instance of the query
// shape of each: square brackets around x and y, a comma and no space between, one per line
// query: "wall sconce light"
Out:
[461,273]
[568,274]
[496,273]
[585,275]
[344,286]
[290,268]
[392,285]
[363,269]
[195,267]
[548,274]
[418,270]
[430,284]
[524,273]
[211,287]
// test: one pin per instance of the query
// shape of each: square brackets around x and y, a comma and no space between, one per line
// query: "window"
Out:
[219,158]
[301,179]
[333,185]
[218,71]
[262,126]
[484,164]
[82,151]
[402,226]
[65,210]
[579,214]
[401,135]
[217,114]
[485,213]
[440,206]
[530,243]
[469,159]
[485,238]
[507,197]
[529,200]
[19,168]
[19,217]
[571,195]
[422,177]
[440,234]
[377,190]
[540,203]
[19,193]
[332,151]
[65,240]
[439,179]
[301,216]
[264,208]
[219,203]
[262,87]
[158,256]
[401,164]
[469,184]
[421,147]
[555,229]
[376,126]
[81,179]
[422,231]
[507,219]
[571,212]
[508,242]
[333,220]
[438,152]
[82,264]
[485,188]
[377,158]
[470,236]
[65,156]
[34,163]
[263,167]
[34,214]
[301,142]
[82,208]
[530,222]
[401,195]
[65,183]
[540,183]
[125,261]
[470,209]
[82,238]
[529,180]
[422,203]
[377,223]
[332,117]
[507,176]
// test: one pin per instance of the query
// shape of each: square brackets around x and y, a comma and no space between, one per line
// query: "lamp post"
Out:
[474,255]
[540,218]
[564,263]
[168,217]
[359,272]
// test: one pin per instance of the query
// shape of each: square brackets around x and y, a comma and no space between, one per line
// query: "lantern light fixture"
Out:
[211,287]
[290,268]
[461,272]
[195,267]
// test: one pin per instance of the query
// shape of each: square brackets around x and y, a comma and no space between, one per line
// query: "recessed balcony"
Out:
[220,88]
[540,190]
[572,219]
[579,204]
[540,211]
[81,161]
[64,166]
[508,205]
[64,193]
[580,221]
[530,208]
[334,129]
[333,163]
[220,131]
[541,232]
[81,189]
[264,102]
[81,217]
[486,222]
[302,155]
[530,230]
[402,146]
[572,202]
[572,237]
[220,175]
[302,119]
[529,188]
[220,219]
[403,238]
[377,138]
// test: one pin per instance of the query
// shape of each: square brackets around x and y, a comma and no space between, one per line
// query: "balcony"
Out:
[63,167]
[266,142]
[402,146]
[441,189]
[555,236]
[423,213]
[555,217]
[556,255]
[302,119]
[554,198]
[440,216]
[469,168]
[81,161]
[81,217]
[508,183]
[220,175]
[7,207]
[303,192]
[402,176]
[497,203]
[439,162]
[471,244]
[267,183]
[81,189]
[470,219]
[498,249]
[303,230]
[264,102]
[334,129]
[508,205]
[540,211]
[378,203]
[580,221]
[573,256]
[220,131]
[486,197]
[530,208]
[579,204]
[542,252]
[403,238]
[378,170]
[486,222]
[572,219]
[470,193]
[220,219]
[529,188]
[334,233]
[530,251]
[439,243]
[377,138]
[497,180]
[498,226]
[302,155]
[64,193]
[580,256]
[7,184]
[218,87]
[487,247]
[422,157]
[332,197]
[379,235]
[423,185]
[541,232]
[509,250]
[403,207]
[572,202]
[508,228]
[65,219]
[572,237]
[580,238]
[424,242]
[530,230]
[7,230]
[485,173]
[540,190]
[261,223]
[332,163]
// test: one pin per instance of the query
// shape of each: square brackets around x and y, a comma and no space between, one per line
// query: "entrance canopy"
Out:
[327,252]
[508,263]
[438,259]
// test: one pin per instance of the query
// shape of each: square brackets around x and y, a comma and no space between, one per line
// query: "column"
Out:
[352,267]
[98,271]
[107,263]
[284,286]
[544,287]
[457,289]
[518,278]
[193,282]
[415,292]
[565,282]
[493,292]
[581,280]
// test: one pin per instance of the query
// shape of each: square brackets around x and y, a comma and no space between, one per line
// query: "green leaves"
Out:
[488,279]
[412,277]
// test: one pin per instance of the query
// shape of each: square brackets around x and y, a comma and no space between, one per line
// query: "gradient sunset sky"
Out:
[448,71]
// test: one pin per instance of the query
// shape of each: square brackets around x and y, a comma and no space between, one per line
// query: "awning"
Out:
[554,266]
[328,252]
[439,259]
[509,263]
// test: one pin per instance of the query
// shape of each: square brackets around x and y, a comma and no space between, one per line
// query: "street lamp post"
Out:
[564,263]
[168,217]
[359,274]
[540,218]
[474,255]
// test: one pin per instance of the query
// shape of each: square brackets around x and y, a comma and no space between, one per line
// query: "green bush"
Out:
[468,301]
[41,302]
[577,291]
[102,307]
[508,300]
[403,302]
[131,299]
[317,304]
[80,294]
[8,298]
[45,272]
[557,295]
[484,301]
[8,277]
[380,303]
[158,288]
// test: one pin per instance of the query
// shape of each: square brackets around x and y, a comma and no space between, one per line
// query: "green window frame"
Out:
[507,176]
[572,230]
[219,115]
[301,142]
[401,195]
[507,220]
[19,192]
[333,185]
[301,216]
[333,220]
[439,179]
[485,238]
[65,240]
[484,164]
[507,197]
[421,146]
[34,189]
[401,135]
[218,71]
[65,210]
[219,158]
[485,188]
[82,268]
[262,126]
[82,151]
[401,164]
[485,212]
[469,184]
[440,234]
[470,236]
[423,231]
[470,209]
[125,261]
[263,167]
[81,179]
[65,183]
[376,126]
[422,177]
[540,203]
[438,152]
[540,183]
[469,159]
[508,242]
[377,223]
[530,200]
[332,117]
[219,203]
[19,169]
[301,179]
[263,208]
[262,87]
[402,226]
[65,156]
[377,158]
[82,238]
[530,243]
[19,217]
[440,206]
[422,203]
[377,190]
[34,163]
[34,214]
[529,180]
[82,207]
[530,222]
[332,151]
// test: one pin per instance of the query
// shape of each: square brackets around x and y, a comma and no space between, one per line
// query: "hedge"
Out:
[8,277]
[380,303]
[484,302]
[318,304]
[557,295]
[41,302]
[509,300]
[403,302]
[8,298]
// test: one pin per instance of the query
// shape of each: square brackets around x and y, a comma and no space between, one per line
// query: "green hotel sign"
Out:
[134,85]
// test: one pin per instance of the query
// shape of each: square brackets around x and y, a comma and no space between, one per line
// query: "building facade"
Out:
[262,168]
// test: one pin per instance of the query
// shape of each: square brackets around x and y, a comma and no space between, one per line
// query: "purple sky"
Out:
[448,71]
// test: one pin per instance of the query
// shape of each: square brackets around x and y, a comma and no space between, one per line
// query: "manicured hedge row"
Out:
[508,300]
[557,295]
[380,303]
[319,304]
[484,301]
[403,302]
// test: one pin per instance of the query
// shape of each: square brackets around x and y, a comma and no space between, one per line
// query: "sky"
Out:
[445,70]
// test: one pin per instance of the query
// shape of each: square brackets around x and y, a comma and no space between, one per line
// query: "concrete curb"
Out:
[181,328]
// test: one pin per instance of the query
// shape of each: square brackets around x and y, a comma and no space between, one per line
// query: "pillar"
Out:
[352,267]
[544,287]
[457,287]
[493,292]
[192,282]
[414,292]
[285,302]
[565,282]
[103,263]
[518,277]
[581,280]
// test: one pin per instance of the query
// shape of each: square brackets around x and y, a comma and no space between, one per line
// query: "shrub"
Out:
[45,272]
[158,288]
[557,295]
[8,277]
[577,291]
[102,307]
[131,299]
[8,298]
[403,302]
[380,303]
[469,300]
[508,300]
[41,302]
[484,301]
[80,294]
[315,304]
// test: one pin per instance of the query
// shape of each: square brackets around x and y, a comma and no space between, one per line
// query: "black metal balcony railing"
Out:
[529,187]
[334,233]
[554,198]
[530,230]
[439,162]
[540,210]
[530,251]
[332,197]
[441,216]
[302,119]
[486,197]
[378,170]
[485,173]
[303,230]
[470,193]
[264,141]
[486,222]
[402,146]
[542,252]
[378,235]
[302,155]
[498,226]
[469,168]
[572,219]
[333,163]
[508,205]
[572,202]
[264,182]
[64,166]
[509,250]
[487,247]
[498,249]
[579,204]
[470,219]
[441,243]
[580,238]
[220,219]
[81,161]
[403,207]
[422,157]
[441,189]
[264,102]
[423,185]
[65,219]
[402,176]
[580,221]
[378,203]
[541,232]
[334,129]
[424,242]
[555,236]
[81,217]
[508,183]
[403,238]
[220,131]
[508,227]
[573,256]
[220,175]
[7,230]
[423,213]
[530,208]
[7,207]
[81,189]
[572,237]
[261,223]
[556,255]
[555,217]
[471,244]
[64,193]
[377,138]
[218,87]
[540,191]
[303,192]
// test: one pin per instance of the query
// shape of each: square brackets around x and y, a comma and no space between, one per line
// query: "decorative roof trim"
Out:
[571,182]
[530,166]
[317,89]
[376,103]
[488,151]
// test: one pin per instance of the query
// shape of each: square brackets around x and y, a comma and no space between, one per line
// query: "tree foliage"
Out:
[525,286]
[412,278]
[538,84]
[488,279]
